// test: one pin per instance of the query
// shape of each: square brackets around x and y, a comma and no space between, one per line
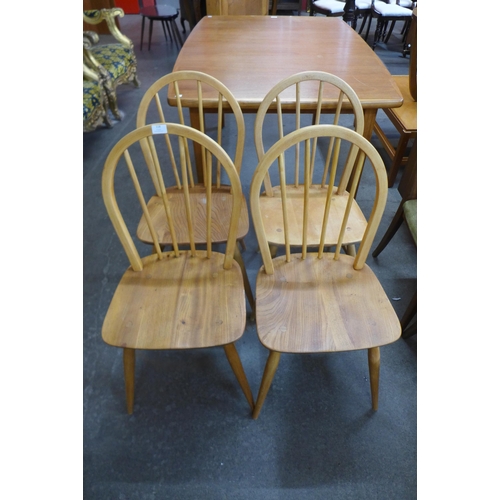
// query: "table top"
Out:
[250,54]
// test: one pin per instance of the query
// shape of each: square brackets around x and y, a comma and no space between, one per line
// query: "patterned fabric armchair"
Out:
[95,102]
[114,62]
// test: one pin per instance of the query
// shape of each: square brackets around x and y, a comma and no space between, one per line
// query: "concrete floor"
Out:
[191,435]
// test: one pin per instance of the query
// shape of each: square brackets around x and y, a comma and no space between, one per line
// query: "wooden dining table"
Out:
[250,54]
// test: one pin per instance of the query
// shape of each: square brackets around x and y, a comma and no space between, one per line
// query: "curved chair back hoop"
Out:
[359,149]
[150,134]
[344,99]
[219,95]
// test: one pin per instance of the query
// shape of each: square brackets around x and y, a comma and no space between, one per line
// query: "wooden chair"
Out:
[180,299]
[336,8]
[318,302]
[387,14]
[321,94]
[404,119]
[115,62]
[222,193]
[407,210]
[167,16]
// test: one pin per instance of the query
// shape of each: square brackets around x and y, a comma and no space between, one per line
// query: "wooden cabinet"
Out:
[237,7]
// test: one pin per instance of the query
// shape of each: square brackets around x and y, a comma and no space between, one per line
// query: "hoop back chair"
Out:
[318,302]
[319,93]
[207,86]
[179,299]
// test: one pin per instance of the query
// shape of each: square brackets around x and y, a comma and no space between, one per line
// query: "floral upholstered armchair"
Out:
[114,62]
[95,101]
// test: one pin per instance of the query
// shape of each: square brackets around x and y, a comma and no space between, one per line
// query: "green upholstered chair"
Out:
[115,62]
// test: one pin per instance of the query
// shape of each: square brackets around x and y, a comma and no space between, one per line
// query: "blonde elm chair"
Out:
[181,299]
[308,91]
[316,301]
[153,108]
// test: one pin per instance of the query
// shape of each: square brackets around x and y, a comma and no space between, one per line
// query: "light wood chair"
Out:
[151,110]
[322,94]
[404,120]
[407,211]
[318,302]
[180,299]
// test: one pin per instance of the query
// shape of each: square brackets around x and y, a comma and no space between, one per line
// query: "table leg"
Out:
[194,117]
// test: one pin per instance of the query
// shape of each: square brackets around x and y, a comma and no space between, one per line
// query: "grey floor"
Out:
[191,435]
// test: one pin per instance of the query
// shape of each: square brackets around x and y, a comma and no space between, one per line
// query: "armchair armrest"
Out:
[108,15]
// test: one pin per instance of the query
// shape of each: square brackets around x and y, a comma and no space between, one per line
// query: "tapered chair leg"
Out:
[150,33]
[409,313]
[397,161]
[374,367]
[235,362]
[142,29]
[350,249]
[271,366]
[129,371]
[246,282]
[391,230]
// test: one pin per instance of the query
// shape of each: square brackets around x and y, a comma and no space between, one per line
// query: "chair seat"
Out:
[116,58]
[170,304]
[299,311]
[273,217]
[406,115]
[333,6]
[389,10]
[221,203]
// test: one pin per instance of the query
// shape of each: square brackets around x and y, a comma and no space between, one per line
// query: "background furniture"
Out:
[181,299]
[387,14]
[338,50]
[221,192]
[166,14]
[95,104]
[237,7]
[285,6]
[405,121]
[115,62]
[407,210]
[101,29]
[317,302]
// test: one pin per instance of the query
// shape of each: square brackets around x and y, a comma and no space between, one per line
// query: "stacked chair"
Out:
[115,63]
[387,13]
[188,293]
